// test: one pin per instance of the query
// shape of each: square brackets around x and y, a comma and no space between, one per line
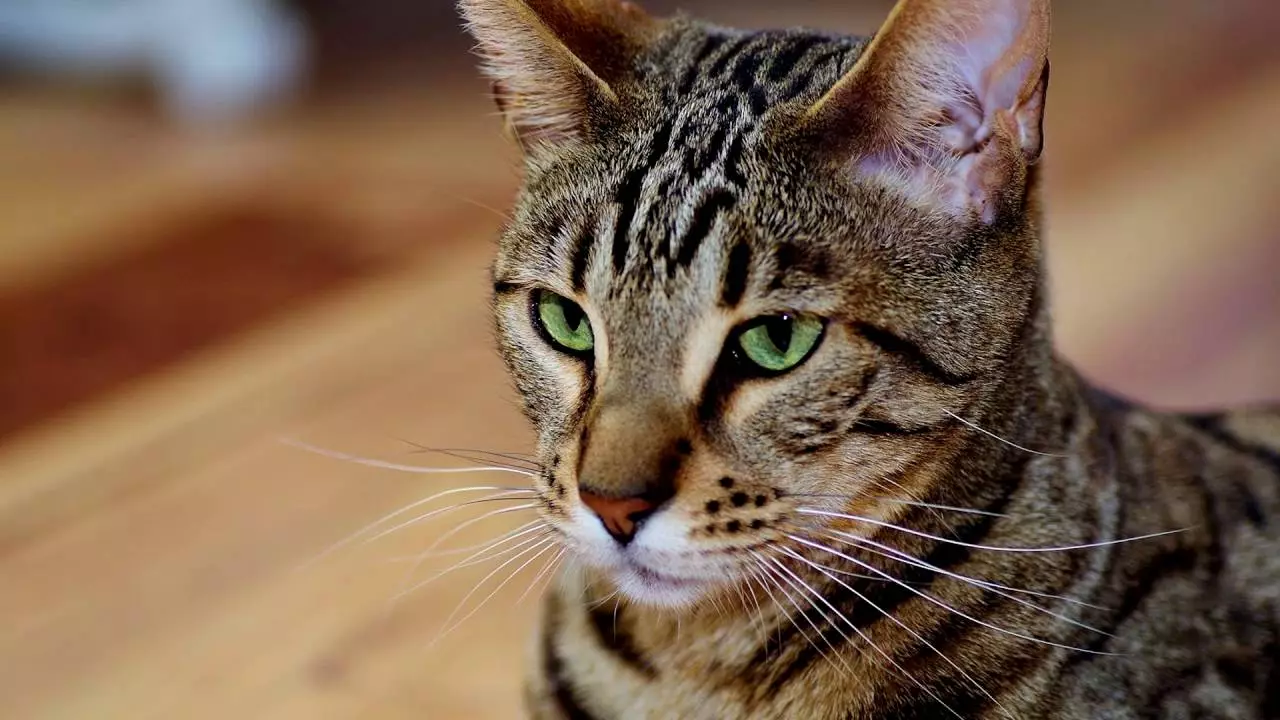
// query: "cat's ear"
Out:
[554,63]
[947,100]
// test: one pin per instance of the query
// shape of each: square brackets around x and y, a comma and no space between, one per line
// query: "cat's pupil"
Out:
[573,316]
[780,331]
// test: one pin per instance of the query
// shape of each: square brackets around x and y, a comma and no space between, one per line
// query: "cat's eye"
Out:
[779,343]
[564,322]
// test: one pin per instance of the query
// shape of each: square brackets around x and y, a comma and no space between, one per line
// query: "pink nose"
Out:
[620,516]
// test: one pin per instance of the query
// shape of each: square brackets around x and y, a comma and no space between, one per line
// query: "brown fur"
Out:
[889,188]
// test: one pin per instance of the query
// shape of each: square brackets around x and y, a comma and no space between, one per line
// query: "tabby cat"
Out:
[775,304]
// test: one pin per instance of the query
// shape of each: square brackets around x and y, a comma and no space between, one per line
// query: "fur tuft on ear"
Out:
[947,101]
[552,62]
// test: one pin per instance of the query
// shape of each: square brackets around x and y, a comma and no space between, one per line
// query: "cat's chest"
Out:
[593,663]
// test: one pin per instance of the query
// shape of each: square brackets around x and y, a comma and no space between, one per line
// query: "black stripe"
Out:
[710,44]
[759,101]
[627,199]
[733,162]
[731,52]
[785,61]
[885,427]
[1236,490]
[744,73]
[803,81]
[612,634]
[583,246]
[790,258]
[502,287]
[736,275]
[565,695]
[728,106]
[954,696]
[887,596]
[662,248]
[1212,425]
[628,196]
[698,161]
[910,353]
[1159,567]
[704,219]
[661,142]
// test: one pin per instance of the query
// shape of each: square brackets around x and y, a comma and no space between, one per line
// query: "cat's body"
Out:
[775,305]
[1194,618]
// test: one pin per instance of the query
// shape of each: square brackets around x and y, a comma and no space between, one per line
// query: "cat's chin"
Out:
[648,587]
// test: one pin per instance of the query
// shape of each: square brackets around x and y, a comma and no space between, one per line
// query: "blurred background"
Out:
[223,222]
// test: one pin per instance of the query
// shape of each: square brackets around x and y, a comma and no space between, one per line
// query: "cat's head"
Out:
[755,272]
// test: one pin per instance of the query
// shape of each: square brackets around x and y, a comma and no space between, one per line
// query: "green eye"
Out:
[780,342]
[564,322]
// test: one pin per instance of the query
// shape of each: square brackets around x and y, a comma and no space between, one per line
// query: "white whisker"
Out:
[753,580]
[418,556]
[947,508]
[887,657]
[944,606]
[484,456]
[900,556]
[919,533]
[834,655]
[477,558]
[544,572]
[963,673]
[1011,444]
[406,509]
[494,550]
[422,557]
[600,603]
[546,547]
[385,465]
[419,519]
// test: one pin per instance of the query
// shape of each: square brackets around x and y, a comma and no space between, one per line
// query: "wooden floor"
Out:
[156,535]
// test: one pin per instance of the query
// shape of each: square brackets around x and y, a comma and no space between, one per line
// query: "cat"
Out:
[775,305]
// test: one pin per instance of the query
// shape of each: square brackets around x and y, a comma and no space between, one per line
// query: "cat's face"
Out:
[718,315]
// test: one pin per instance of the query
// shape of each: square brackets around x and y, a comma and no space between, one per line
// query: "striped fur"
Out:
[829,543]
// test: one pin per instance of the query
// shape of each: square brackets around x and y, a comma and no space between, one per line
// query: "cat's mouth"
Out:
[651,586]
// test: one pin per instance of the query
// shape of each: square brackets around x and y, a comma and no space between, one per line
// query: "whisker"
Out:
[600,603]
[1011,444]
[418,556]
[394,601]
[774,577]
[418,519]
[919,533]
[475,558]
[491,551]
[545,571]
[473,455]
[963,673]
[900,501]
[937,514]
[868,640]
[755,599]
[546,547]
[483,206]
[406,509]
[753,581]
[944,606]
[896,554]
[519,549]
[385,465]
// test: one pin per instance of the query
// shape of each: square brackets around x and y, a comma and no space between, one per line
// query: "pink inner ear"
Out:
[961,76]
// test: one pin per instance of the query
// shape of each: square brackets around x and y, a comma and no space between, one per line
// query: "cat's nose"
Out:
[621,516]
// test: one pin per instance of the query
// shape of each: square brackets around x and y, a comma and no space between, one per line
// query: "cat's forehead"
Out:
[647,217]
